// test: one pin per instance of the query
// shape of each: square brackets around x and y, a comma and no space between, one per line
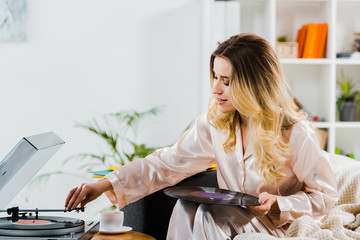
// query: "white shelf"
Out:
[311,61]
[340,61]
[349,1]
[347,125]
[321,61]
[337,125]
[302,1]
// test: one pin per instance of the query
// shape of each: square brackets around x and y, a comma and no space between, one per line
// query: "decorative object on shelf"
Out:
[312,40]
[282,38]
[346,101]
[343,54]
[285,49]
[348,111]
[311,117]
[356,44]
[355,55]
[340,151]
[349,55]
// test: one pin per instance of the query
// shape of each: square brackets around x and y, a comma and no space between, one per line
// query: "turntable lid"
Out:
[24,161]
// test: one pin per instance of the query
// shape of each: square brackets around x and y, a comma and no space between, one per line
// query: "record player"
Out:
[16,169]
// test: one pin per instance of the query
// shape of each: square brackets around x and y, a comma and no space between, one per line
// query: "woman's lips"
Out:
[221,101]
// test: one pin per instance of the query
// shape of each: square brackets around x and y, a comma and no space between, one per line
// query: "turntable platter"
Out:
[45,226]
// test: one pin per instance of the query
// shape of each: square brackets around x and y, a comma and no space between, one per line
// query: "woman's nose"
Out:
[216,88]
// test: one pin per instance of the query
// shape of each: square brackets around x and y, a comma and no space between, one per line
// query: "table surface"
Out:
[132,235]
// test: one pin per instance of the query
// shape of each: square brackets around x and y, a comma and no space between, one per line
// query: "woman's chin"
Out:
[226,110]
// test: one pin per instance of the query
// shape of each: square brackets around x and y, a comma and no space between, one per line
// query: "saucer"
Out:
[117,231]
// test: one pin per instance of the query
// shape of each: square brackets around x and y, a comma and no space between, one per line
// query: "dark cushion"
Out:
[151,214]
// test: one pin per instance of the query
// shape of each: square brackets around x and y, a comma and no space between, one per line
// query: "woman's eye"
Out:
[226,83]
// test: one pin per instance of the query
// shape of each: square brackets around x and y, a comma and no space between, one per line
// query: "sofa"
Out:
[151,214]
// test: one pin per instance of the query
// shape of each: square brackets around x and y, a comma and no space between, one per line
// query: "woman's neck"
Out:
[243,120]
[244,133]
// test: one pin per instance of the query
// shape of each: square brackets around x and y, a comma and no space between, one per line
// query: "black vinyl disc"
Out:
[53,226]
[212,195]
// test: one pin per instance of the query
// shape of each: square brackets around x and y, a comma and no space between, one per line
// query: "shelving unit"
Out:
[312,81]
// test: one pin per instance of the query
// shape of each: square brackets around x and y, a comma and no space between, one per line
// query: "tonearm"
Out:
[15,212]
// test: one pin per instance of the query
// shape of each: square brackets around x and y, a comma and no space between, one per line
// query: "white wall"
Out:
[89,57]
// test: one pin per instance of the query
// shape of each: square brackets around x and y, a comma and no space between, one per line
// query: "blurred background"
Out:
[85,58]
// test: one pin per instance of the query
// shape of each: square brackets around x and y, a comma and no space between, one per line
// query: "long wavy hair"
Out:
[260,95]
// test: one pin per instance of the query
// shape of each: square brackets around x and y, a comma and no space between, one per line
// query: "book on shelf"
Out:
[321,41]
[312,40]
[300,39]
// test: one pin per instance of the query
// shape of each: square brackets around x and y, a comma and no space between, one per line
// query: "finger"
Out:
[260,208]
[267,205]
[74,197]
[263,197]
[85,190]
[69,196]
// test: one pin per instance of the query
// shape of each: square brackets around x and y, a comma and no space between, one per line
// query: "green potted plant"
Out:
[286,49]
[118,131]
[346,101]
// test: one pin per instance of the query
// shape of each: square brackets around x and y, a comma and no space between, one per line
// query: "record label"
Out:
[33,222]
[213,195]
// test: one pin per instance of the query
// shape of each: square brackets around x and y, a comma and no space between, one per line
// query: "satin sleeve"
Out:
[192,153]
[312,168]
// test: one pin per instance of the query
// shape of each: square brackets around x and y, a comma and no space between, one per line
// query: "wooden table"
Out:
[132,235]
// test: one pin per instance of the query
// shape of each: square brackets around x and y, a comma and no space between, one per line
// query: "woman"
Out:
[262,146]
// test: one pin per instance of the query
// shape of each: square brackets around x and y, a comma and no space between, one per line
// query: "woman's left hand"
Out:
[266,201]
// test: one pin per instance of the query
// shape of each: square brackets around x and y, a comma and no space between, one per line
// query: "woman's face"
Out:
[220,88]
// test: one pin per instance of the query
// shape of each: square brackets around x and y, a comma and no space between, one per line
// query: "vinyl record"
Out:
[212,195]
[41,226]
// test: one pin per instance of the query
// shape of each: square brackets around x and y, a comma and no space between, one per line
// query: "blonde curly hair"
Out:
[259,94]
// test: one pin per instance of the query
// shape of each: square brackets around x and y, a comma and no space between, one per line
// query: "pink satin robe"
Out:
[308,189]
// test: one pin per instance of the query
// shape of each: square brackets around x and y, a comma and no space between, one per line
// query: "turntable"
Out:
[16,169]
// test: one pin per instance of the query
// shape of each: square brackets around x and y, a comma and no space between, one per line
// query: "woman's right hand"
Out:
[86,193]
[267,202]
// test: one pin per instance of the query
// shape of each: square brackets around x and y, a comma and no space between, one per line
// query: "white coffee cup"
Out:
[111,220]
